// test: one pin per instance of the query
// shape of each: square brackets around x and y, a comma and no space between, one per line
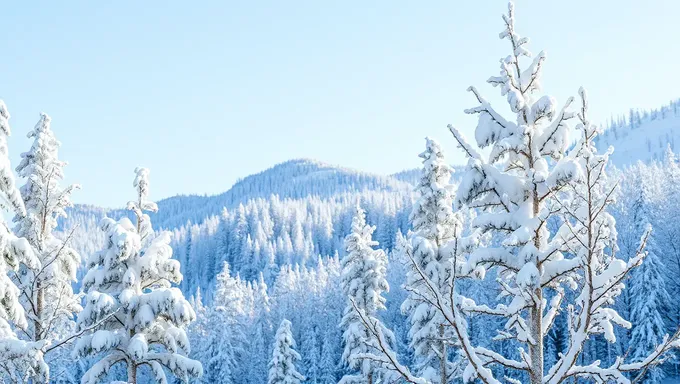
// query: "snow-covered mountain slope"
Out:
[290,213]
[643,135]
[293,179]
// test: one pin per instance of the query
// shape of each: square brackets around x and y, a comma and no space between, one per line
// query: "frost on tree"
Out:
[224,336]
[19,360]
[363,282]
[649,293]
[434,226]
[437,237]
[47,294]
[539,169]
[282,365]
[133,314]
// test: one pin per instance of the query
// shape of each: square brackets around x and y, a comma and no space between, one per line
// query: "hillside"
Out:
[291,212]
[301,208]
[642,135]
[293,179]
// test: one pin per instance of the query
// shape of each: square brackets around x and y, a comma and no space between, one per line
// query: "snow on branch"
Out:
[382,353]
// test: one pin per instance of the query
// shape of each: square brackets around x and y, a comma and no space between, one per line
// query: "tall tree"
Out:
[47,293]
[531,176]
[363,282]
[19,360]
[534,175]
[133,314]
[282,365]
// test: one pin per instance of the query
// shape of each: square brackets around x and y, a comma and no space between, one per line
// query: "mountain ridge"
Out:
[291,179]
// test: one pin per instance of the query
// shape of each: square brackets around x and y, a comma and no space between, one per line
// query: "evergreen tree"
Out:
[311,350]
[133,315]
[282,365]
[226,338]
[329,361]
[650,297]
[434,225]
[19,360]
[48,295]
[363,282]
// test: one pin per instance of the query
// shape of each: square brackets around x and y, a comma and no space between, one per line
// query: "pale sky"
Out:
[207,92]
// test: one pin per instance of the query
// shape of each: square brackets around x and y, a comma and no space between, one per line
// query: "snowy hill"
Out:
[290,213]
[293,179]
[642,135]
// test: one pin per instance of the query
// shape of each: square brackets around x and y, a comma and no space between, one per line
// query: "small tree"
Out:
[434,226]
[363,282]
[133,315]
[19,360]
[282,365]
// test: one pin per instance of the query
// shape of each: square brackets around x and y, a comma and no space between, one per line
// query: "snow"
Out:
[525,259]
[645,140]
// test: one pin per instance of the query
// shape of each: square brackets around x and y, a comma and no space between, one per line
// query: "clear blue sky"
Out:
[206,92]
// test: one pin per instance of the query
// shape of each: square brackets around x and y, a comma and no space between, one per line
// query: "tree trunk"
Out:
[39,305]
[132,373]
[442,358]
[369,377]
[536,312]
[536,349]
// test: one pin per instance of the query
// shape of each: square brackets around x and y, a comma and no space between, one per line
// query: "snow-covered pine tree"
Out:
[667,231]
[225,338]
[19,360]
[198,330]
[47,294]
[328,364]
[363,282]
[434,224]
[650,296]
[282,365]
[133,315]
[311,351]
[259,332]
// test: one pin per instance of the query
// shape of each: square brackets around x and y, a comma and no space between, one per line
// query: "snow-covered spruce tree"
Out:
[363,282]
[282,365]
[133,315]
[225,337]
[650,296]
[47,295]
[531,175]
[258,333]
[19,360]
[311,349]
[434,225]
